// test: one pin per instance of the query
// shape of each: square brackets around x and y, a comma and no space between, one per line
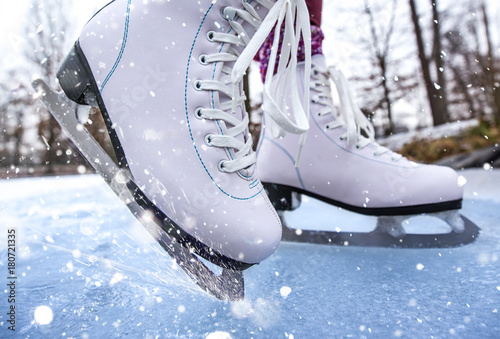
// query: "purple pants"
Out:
[315,7]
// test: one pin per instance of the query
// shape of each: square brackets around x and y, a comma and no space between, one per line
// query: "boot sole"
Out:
[283,199]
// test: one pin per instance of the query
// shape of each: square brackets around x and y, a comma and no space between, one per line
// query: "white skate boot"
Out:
[166,76]
[342,165]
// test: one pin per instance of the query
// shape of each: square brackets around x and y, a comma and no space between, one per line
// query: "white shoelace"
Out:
[359,130]
[294,14]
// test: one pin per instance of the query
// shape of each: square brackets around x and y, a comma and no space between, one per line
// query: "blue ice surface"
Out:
[87,267]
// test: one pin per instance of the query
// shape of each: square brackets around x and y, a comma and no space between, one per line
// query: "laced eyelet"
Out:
[197,113]
[220,166]
[197,85]
[228,13]
[210,36]
[327,127]
[342,138]
[376,155]
[208,140]
[203,59]
[221,12]
[358,147]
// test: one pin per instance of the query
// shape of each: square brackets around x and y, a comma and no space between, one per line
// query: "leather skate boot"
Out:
[342,165]
[167,78]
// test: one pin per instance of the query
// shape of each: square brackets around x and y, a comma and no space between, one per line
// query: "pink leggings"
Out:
[315,7]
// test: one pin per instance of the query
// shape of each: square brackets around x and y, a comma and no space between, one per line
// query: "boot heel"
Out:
[76,79]
[282,197]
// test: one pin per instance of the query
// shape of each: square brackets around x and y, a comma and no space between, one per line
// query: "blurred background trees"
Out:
[31,138]
[420,62]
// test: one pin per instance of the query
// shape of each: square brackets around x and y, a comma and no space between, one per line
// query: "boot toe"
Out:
[256,232]
[443,184]
[248,232]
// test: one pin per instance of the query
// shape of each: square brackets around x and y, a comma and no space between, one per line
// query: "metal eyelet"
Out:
[197,113]
[220,166]
[208,140]
[210,36]
[221,12]
[197,85]
[228,13]
[203,59]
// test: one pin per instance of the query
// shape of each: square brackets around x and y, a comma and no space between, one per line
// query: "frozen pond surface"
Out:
[87,269]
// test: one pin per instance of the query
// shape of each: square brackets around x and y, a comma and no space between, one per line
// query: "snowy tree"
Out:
[490,64]
[45,28]
[467,60]
[431,63]
[383,62]
[390,84]
[32,136]
[456,82]
[18,123]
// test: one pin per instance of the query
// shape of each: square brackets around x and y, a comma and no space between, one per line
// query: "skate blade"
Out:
[229,285]
[394,224]
[379,238]
[387,231]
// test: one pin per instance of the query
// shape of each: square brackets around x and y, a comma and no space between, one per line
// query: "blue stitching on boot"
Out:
[297,170]
[122,49]
[187,116]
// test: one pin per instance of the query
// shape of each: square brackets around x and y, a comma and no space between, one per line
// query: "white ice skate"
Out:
[342,165]
[166,76]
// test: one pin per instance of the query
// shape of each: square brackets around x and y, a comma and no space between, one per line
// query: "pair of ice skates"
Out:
[166,76]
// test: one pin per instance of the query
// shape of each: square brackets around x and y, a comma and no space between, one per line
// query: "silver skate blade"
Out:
[229,285]
[393,224]
[379,238]
[65,113]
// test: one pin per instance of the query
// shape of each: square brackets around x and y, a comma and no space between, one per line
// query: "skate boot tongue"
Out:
[319,61]
[347,115]
[355,121]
